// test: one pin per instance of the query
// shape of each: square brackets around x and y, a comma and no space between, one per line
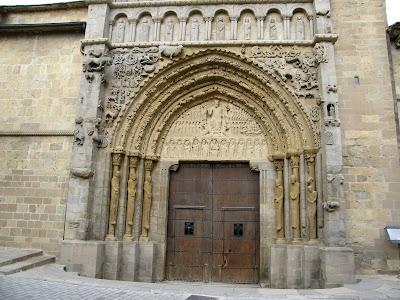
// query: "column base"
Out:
[280,241]
[127,238]
[296,241]
[110,238]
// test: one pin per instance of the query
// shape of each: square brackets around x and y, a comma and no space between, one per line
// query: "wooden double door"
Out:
[213,224]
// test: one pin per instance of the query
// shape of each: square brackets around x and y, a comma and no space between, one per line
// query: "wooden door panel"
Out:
[213,223]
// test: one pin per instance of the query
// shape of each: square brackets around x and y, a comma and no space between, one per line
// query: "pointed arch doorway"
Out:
[213,230]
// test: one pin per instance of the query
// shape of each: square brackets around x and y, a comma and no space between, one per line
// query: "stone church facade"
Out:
[215,141]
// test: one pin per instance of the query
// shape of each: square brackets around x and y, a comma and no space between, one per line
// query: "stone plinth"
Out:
[337,266]
[303,267]
[85,257]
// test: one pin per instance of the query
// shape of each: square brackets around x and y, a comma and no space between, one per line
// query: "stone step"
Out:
[10,255]
[27,264]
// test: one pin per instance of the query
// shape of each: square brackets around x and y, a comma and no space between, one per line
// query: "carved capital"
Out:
[184,19]
[148,164]
[294,161]
[234,18]
[310,17]
[116,159]
[208,19]
[133,160]
[278,165]
[133,20]
[287,17]
[157,20]
[260,18]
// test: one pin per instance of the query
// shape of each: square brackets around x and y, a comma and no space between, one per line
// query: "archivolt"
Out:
[206,75]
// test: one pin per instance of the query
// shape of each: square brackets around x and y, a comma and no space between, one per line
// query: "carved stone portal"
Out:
[214,130]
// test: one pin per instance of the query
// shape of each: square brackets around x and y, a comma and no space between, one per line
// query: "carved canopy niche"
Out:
[220,88]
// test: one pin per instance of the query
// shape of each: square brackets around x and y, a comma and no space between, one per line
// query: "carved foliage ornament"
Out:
[294,66]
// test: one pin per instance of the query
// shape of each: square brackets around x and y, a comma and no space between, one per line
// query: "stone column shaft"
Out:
[147,190]
[133,160]
[132,34]
[312,198]
[114,197]
[279,201]
[110,26]
[183,28]
[311,19]
[295,199]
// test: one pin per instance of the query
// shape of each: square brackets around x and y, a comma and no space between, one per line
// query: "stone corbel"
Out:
[331,206]
[115,186]
[147,197]
[254,167]
[84,173]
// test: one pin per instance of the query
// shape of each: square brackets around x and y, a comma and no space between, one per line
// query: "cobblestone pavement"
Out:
[51,282]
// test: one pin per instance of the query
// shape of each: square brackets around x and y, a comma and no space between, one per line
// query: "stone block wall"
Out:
[370,147]
[33,187]
[58,13]
[39,88]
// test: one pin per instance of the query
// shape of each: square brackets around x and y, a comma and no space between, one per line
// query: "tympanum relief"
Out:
[215,130]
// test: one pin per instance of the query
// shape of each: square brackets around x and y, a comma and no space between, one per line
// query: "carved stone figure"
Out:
[96,61]
[216,118]
[312,208]
[146,205]
[131,199]
[295,207]
[272,29]
[119,34]
[300,35]
[113,203]
[79,137]
[279,207]
[222,125]
[220,32]
[169,30]
[145,31]
[247,28]
[194,30]
[331,111]
[147,197]
[171,51]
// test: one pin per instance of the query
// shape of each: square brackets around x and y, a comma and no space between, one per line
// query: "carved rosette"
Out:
[147,190]
[279,201]
[116,161]
[133,161]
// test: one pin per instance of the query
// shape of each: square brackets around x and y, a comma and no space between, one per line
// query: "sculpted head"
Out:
[293,178]
[278,182]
